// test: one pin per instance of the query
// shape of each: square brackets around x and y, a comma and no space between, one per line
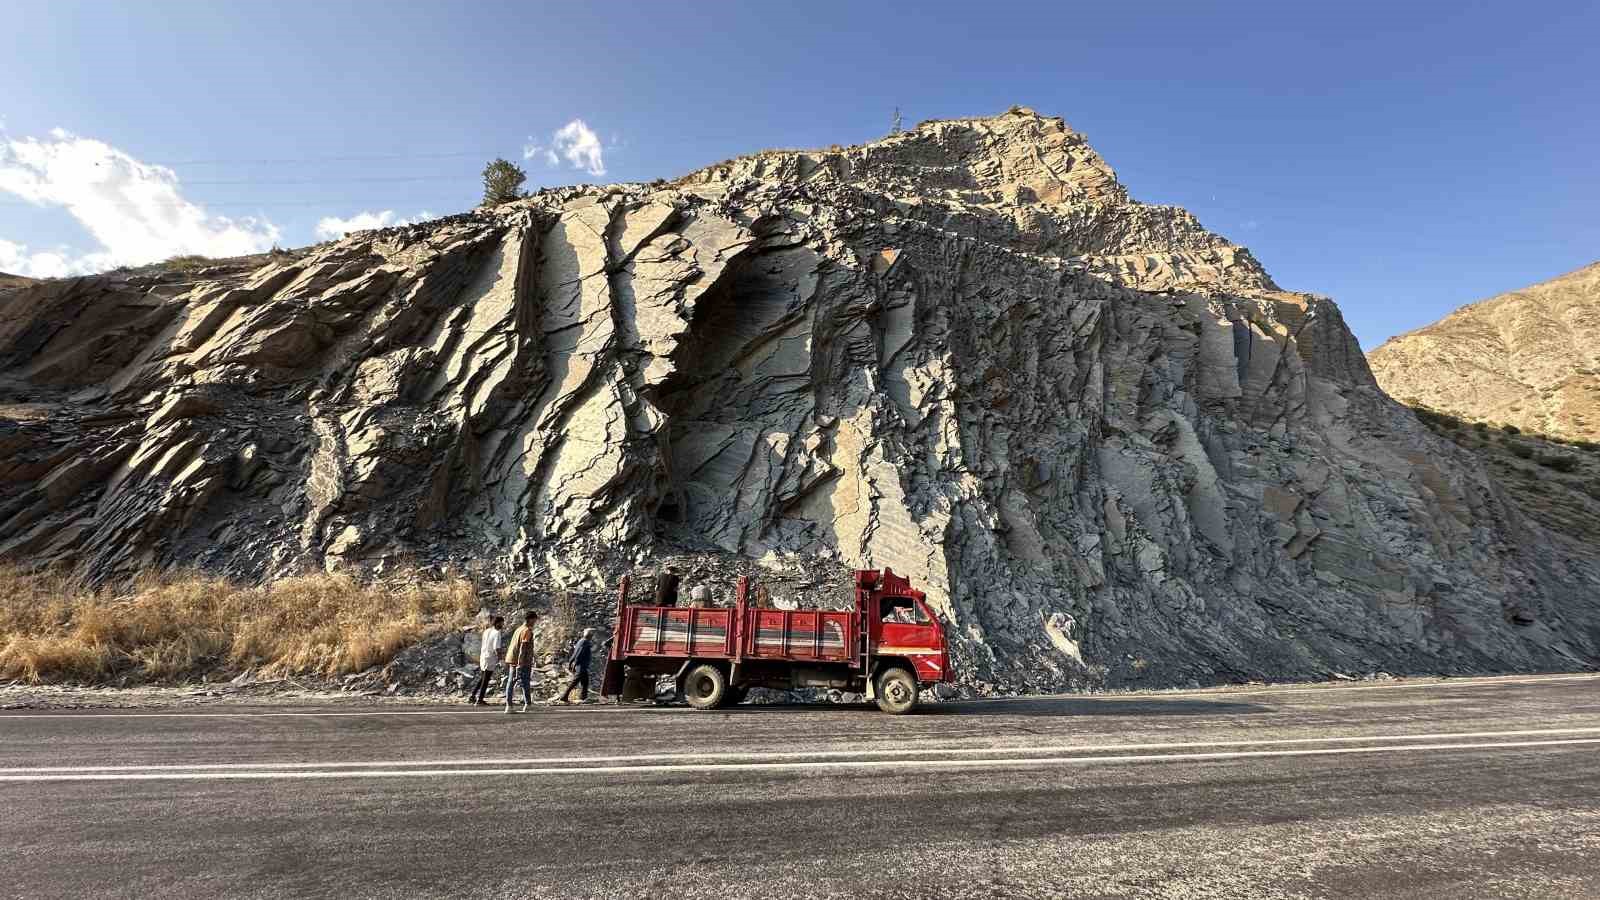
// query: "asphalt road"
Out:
[1483,788]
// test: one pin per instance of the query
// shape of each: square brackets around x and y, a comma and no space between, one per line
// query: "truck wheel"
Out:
[897,691]
[705,687]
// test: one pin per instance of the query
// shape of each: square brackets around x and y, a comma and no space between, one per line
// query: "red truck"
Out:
[887,647]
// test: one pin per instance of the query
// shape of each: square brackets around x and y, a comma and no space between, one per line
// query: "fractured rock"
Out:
[1109,446]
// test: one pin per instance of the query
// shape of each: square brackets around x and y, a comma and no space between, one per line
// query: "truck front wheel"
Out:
[705,687]
[897,691]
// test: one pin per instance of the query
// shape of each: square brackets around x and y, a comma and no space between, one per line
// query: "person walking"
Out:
[519,657]
[488,660]
[578,662]
[667,586]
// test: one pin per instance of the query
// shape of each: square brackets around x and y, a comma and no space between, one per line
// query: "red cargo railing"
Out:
[799,634]
[671,631]
[740,632]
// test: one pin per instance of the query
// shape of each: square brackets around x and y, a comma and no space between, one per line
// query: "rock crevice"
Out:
[1110,447]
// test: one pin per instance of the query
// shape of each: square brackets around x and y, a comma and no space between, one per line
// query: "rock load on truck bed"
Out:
[1110,448]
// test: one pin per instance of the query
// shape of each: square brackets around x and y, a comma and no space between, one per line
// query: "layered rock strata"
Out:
[1109,446]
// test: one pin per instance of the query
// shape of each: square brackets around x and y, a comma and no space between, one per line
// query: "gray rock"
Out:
[1107,444]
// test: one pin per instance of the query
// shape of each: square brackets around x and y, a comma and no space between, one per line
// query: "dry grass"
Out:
[53,627]
[187,262]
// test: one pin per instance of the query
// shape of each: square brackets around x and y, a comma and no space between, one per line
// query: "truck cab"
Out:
[901,629]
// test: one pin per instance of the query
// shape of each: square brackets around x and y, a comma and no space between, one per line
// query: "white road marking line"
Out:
[220,714]
[923,765]
[1487,681]
[1483,681]
[810,754]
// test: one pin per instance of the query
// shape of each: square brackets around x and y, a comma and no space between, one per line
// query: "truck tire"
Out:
[705,687]
[897,691]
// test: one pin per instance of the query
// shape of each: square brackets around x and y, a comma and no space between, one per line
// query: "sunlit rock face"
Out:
[1107,444]
[1529,358]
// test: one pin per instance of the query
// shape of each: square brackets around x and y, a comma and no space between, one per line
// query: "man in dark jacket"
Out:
[667,587]
[578,662]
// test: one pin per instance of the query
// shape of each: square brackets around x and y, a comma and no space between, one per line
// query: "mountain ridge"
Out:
[1528,358]
[1110,447]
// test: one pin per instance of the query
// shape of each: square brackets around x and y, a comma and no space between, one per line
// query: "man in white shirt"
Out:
[488,660]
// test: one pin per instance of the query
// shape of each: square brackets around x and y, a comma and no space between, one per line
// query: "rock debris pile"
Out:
[1108,445]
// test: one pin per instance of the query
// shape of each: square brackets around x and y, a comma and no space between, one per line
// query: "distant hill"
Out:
[14,281]
[1529,358]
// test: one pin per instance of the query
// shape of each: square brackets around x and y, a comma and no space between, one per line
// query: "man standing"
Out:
[488,660]
[578,662]
[700,596]
[520,658]
[667,587]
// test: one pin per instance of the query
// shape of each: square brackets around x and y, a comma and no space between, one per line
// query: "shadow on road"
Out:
[1096,706]
[1021,707]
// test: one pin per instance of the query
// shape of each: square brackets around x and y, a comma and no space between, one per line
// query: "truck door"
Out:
[904,629]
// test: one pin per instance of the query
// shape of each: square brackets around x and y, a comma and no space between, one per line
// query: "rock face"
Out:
[1555,482]
[1112,450]
[1530,358]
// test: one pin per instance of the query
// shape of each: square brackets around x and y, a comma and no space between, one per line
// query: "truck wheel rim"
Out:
[897,691]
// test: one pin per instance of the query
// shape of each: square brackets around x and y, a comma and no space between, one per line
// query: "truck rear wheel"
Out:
[897,691]
[705,687]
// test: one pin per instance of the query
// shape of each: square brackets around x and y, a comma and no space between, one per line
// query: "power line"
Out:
[312,159]
[330,180]
[204,203]
[376,179]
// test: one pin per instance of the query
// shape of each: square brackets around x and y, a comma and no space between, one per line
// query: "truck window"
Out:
[902,610]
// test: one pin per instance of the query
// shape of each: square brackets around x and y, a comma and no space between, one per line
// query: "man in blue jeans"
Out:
[519,662]
[578,663]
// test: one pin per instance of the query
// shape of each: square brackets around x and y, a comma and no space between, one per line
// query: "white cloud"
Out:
[581,146]
[15,259]
[549,154]
[134,211]
[575,142]
[331,228]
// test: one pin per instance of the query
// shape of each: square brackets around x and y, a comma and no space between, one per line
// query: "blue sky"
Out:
[1405,158]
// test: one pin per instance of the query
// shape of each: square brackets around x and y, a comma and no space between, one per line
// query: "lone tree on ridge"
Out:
[502,182]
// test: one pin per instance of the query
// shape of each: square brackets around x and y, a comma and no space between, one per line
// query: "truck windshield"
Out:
[903,609]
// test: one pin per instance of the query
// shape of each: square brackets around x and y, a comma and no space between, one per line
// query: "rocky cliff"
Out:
[1530,358]
[1112,449]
